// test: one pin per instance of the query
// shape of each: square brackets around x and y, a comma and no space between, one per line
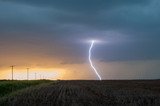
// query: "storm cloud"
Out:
[57,28]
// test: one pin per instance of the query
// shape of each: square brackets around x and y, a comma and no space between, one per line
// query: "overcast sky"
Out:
[52,33]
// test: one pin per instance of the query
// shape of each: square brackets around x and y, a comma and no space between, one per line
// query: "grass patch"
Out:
[8,86]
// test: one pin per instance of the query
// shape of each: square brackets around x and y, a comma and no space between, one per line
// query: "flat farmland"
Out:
[87,93]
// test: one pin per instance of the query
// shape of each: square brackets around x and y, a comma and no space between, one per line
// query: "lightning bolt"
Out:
[93,67]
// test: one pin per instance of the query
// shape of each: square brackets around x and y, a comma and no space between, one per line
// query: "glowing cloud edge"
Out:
[90,61]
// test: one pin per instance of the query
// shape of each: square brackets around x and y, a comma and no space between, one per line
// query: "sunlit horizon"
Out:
[34,74]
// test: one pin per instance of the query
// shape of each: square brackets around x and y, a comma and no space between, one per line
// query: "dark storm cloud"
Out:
[133,26]
[81,5]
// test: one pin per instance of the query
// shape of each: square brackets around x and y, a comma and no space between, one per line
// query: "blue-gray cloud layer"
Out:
[55,26]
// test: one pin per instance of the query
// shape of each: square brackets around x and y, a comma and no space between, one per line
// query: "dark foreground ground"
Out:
[87,93]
